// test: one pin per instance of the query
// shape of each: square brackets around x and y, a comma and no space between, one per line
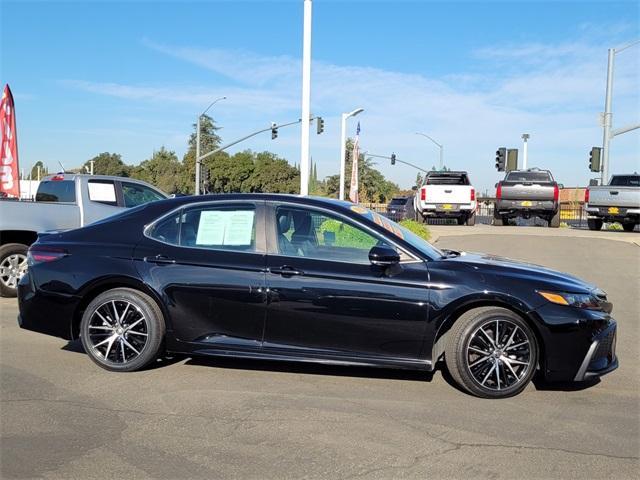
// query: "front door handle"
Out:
[159,259]
[285,271]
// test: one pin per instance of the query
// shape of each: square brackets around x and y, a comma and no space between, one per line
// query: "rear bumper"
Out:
[446,209]
[624,214]
[535,207]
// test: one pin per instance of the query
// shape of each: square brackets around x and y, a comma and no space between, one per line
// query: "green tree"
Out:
[273,174]
[209,140]
[107,164]
[163,170]
[34,170]
[228,174]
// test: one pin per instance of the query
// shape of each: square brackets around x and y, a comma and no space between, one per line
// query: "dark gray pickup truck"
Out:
[527,193]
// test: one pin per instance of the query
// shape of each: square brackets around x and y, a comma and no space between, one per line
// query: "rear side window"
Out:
[625,181]
[62,191]
[528,177]
[135,194]
[102,191]
[216,228]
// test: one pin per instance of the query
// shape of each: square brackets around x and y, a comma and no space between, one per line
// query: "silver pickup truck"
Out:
[62,202]
[617,202]
[527,193]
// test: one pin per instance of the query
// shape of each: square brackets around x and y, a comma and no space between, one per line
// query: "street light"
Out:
[525,138]
[198,160]
[440,146]
[343,139]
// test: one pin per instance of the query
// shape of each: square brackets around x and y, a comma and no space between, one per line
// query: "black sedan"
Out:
[296,278]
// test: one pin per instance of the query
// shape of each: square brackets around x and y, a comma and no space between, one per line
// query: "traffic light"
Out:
[274,131]
[501,154]
[393,159]
[512,159]
[594,159]
[320,126]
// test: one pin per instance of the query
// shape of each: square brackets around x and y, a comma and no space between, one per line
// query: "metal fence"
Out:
[571,213]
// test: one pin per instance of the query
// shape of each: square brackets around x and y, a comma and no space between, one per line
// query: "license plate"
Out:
[447,206]
[614,210]
[526,203]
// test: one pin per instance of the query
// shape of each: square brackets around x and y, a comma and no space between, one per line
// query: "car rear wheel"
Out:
[554,221]
[594,223]
[629,227]
[491,352]
[13,266]
[122,330]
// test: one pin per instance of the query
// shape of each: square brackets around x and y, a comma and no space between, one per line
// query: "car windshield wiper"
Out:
[450,253]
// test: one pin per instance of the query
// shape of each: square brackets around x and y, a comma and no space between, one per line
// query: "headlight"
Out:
[579,300]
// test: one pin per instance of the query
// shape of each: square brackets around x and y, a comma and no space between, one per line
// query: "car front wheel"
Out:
[491,352]
[122,330]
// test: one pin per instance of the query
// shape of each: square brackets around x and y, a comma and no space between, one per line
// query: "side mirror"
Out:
[561,186]
[414,188]
[383,256]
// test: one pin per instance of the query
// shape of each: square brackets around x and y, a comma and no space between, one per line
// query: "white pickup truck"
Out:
[63,201]
[446,195]
[617,202]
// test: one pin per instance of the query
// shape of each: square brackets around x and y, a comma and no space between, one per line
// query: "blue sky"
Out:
[130,77]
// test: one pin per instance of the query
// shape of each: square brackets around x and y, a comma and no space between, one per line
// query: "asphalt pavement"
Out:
[63,417]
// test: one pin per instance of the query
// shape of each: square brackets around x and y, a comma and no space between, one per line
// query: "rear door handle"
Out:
[159,259]
[285,271]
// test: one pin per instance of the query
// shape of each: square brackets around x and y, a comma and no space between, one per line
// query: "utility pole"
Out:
[608,133]
[306,99]
[525,137]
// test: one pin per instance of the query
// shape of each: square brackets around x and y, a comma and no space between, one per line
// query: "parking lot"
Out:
[63,417]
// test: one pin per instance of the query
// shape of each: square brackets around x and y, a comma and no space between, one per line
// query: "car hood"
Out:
[544,277]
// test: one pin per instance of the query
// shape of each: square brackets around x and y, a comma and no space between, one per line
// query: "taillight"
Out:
[556,193]
[586,196]
[42,254]
[423,193]
[473,194]
[499,191]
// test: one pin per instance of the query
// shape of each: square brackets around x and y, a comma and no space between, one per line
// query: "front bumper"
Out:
[601,356]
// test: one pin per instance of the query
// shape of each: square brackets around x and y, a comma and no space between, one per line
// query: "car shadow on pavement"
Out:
[312,368]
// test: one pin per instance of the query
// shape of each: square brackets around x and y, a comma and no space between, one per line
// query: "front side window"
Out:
[314,234]
[216,228]
[135,194]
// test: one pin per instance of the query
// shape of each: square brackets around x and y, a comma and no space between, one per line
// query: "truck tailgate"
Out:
[606,196]
[454,194]
[527,191]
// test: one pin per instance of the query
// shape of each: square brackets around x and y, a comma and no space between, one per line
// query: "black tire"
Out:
[151,328]
[498,220]
[461,220]
[471,219]
[467,330]
[594,223]
[554,221]
[629,227]
[13,258]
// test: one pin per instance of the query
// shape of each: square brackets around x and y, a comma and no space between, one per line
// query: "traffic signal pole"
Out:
[606,137]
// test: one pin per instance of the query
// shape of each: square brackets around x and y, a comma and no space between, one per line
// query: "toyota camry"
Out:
[293,278]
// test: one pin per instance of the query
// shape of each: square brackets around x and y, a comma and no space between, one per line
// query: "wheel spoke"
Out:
[111,340]
[497,342]
[488,374]
[478,362]
[506,362]
[133,332]
[130,346]
[517,362]
[488,337]
[498,372]
[517,345]
[115,311]
[513,333]
[124,314]
[104,319]
[134,324]
[101,327]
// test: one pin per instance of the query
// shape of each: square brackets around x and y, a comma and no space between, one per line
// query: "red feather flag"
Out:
[9,179]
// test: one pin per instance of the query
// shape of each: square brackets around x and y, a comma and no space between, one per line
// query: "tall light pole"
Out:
[440,146]
[343,140]
[306,99]
[525,137]
[608,134]
[198,159]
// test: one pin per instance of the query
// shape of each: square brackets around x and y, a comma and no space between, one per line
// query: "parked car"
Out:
[446,195]
[63,201]
[617,202]
[283,277]
[527,193]
[401,208]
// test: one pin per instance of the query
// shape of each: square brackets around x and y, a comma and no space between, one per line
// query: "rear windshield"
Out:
[447,179]
[625,181]
[63,191]
[399,201]
[528,177]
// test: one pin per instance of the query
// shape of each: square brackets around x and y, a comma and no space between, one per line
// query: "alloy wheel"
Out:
[12,269]
[498,354]
[118,331]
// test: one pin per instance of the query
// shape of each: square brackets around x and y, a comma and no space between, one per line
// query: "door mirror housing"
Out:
[383,256]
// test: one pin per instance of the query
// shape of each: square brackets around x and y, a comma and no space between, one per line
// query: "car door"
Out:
[208,261]
[326,298]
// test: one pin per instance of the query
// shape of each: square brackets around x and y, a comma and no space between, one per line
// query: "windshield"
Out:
[399,201]
[625,181]
[401,232]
